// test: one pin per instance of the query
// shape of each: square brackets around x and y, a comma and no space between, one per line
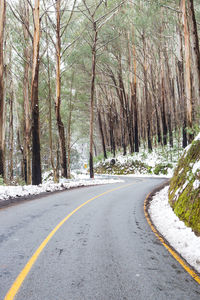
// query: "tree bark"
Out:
[61,129]
[11,133]
[147,98]
[195,47]
[26,97]
[102,135]
[134,95]
[36,160]
[188,86]
[92,97]
[69,129]
[2,25]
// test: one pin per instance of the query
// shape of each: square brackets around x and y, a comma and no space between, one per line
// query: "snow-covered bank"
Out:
[7,192]
[158,162]
[181,237]
[138,175]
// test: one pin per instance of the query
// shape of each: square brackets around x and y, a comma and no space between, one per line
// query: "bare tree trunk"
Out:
[61,129]
[11,138]
[102,135]
[183,107]
[134,95]
[164,118]
[56,179]
[26,96]
[188,86]
[69,128]
[195,47]
[147,98]
[92,98]
[2,25]
[36,160]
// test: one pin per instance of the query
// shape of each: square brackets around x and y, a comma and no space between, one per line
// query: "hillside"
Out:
[160,161]
[184,191]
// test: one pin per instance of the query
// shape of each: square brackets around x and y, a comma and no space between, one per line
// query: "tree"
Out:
[26,94]
[97,23]
[2,27]
[36,160]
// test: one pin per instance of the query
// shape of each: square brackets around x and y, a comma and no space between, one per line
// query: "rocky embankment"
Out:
[184,191]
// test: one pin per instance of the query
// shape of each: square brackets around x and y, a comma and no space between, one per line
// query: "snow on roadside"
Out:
[138,175]
[181,237]
[7,192]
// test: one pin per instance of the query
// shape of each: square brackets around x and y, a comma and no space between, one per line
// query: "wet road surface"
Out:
[104,251]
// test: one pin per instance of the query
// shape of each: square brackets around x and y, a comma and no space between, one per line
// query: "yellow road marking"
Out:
[173,253]
[21,277]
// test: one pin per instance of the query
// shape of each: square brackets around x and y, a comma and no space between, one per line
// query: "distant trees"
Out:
[117,75]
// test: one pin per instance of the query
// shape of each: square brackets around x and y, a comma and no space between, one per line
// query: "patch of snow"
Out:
[187,148]
[184,186]
[197,138]
[177,192]
[7,192]
[181,237]
[140,175]
[196,167]
[196,184]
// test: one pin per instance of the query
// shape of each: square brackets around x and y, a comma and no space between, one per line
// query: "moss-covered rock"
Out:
[184,191]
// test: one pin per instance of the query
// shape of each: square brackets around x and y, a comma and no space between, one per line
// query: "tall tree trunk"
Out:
[36,160]
[101,127]
[188,86]
[69,128]
[61,129]
[11,133]
[183,106]
[92,97]
[134,95]
[56,179]
[147,98]
[2,25]
[195,48]
[102,135]
[164,118]
[26,97]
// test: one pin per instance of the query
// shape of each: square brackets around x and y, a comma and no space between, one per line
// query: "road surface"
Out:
[104,251]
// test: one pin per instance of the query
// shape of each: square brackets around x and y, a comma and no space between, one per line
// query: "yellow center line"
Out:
[21,277]
[168,247]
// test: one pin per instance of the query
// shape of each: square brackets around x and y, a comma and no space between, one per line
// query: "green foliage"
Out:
[1,180]
[162,169]
[98,158]
[20,181]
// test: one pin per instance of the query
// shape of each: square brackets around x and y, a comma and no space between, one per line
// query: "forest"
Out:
[114,75]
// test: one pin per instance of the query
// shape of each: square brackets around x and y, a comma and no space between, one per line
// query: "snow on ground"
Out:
[175,231]
[7,192]
[142,175]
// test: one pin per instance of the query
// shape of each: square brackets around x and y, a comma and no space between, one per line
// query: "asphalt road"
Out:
[104,251]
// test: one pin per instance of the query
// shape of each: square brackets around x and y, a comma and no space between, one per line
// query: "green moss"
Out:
[183,198]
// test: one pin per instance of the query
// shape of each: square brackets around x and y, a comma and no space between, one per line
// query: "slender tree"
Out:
[2,27]
[188,85]
[36,159]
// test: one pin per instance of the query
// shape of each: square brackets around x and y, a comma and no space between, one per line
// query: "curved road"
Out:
[104,251]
